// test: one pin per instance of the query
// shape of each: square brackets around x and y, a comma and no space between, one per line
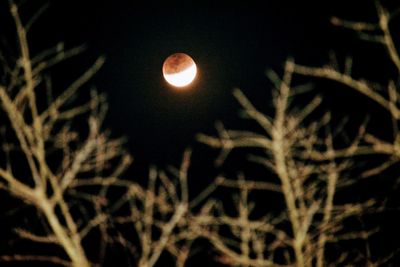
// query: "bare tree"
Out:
[43,139]
[72,178]
[310,170]
[385,95]
[159,215]
[59,161]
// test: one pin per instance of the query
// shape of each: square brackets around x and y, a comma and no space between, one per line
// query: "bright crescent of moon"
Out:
[182,78]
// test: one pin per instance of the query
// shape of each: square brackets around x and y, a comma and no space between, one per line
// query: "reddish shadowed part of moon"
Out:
[179,69]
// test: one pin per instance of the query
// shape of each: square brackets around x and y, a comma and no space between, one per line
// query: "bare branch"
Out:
[70,91]
[41,239]
[29,258]
[357,85]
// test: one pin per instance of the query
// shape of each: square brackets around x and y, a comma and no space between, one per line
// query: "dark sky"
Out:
[233,46]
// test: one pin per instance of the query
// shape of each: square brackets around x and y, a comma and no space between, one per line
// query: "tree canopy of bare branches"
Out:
[58,160]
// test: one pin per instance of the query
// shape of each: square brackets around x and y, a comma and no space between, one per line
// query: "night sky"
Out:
[232,45]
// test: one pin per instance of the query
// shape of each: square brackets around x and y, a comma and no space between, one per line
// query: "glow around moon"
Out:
[179,70]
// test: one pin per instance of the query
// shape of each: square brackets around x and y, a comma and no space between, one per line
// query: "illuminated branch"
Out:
[44,186]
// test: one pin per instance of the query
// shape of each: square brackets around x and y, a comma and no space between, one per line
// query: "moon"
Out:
[179,70]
